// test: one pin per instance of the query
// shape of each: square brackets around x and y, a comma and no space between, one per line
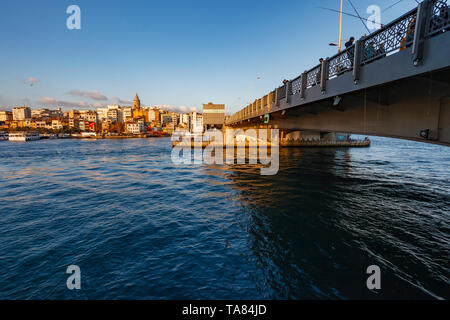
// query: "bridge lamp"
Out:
[425,133]
[336,101]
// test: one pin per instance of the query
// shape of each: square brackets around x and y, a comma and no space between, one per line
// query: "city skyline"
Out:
[175,58]
[124,120]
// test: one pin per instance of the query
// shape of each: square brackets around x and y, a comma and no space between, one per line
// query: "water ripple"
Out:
[142,228]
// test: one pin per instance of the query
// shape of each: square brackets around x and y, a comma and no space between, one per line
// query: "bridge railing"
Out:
[440,17]
[341,62]
[397,35]
[313,76]
[390,39]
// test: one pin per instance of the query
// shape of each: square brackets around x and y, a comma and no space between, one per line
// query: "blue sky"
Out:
[177,53]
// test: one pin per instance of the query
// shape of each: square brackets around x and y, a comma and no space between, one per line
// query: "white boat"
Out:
[24,136]
[88,134]
[4,135]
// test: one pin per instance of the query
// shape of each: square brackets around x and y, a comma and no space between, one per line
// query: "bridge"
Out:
[394,82]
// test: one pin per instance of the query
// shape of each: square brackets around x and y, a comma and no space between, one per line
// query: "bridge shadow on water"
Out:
[315,227]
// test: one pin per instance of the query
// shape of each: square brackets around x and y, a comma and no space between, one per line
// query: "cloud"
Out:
[58,103]
[122,101]
[179,109]
[98,105]
[32,80]
[94,95]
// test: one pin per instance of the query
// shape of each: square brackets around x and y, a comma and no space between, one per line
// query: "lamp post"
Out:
[340,27]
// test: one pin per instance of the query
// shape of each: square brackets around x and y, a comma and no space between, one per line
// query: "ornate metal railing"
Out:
[313,76]
[398,35]
[296,85]
[341,63]
[395,36]
[440,17]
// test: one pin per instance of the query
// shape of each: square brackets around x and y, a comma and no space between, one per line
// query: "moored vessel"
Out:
[4,135]
[24,136]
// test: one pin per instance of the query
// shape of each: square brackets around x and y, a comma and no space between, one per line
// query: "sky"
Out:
[179,54]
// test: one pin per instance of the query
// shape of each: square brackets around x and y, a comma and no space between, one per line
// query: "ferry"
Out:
[3,135]
[24,136]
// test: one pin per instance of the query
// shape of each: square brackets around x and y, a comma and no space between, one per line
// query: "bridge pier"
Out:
[312,138]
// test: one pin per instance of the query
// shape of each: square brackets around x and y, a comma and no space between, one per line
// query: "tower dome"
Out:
[136,102]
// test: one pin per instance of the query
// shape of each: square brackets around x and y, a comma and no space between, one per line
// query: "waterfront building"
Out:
[113,115]
[102,113]
[6,116]
[39,124]
[135,127]
[74,123]
[105,125]
[166,119]
[138,113]
[184,118]
[85,125]
[26,123]
[82,125]
[40,113]
[195,122]
[45,113]
[154,115]
[21,113]
[74,114]
[127,114]
[88,115]
[13,124]
[116,109]
[57,125]
[213,115]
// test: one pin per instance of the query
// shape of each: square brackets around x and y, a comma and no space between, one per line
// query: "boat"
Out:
[49,136]
[4,135]
[24,136]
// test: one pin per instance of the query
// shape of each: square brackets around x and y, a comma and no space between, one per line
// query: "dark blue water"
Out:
[140,227]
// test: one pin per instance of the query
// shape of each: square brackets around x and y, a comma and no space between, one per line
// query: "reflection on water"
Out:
[140,227]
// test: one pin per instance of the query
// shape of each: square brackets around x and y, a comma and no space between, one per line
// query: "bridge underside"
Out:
[416,108]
